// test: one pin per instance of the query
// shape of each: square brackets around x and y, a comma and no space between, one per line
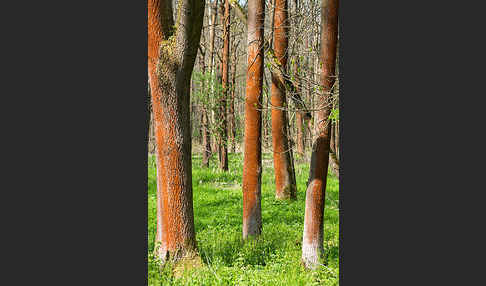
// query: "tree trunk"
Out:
[231,113]
[312,242]
[223,163]
[206,136]
[299,115]
[307,135]
[300,133]
[212,32]
[315,72]
[151,134]
[192,109]
[252,165]
[213,16]
[266,128]
[284,173]
[206,140]
[336,144]
[333,159]
[277,69]
[171,56]
[155,33]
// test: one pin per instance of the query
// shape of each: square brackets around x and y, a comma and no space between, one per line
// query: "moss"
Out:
[168,62]
[167,47]
[178,17]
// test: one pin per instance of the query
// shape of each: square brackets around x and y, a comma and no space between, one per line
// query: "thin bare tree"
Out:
[231,111]
[223,147]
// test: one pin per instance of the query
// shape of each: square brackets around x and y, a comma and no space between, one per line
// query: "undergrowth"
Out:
[274,259]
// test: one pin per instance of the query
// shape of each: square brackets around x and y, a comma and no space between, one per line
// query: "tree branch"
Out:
[276,68]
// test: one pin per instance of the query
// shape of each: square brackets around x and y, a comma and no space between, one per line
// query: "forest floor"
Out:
[272,260]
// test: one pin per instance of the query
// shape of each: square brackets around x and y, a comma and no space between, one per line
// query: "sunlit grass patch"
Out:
[274,259]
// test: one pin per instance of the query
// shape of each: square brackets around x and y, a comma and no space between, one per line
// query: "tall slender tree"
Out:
[276,68]
[223,148]
[252,164]
[231,111]
[284,172]
[299,115]
[206,135]
[172,49]
[213,16]
[312,244]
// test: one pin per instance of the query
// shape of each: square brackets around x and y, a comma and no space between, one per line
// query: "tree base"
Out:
[288,193]
[179,264]
[311,256]
[187,263]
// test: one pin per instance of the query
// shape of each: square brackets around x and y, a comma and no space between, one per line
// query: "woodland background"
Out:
[217,127]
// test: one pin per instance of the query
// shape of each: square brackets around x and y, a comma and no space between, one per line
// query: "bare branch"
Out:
[276,68]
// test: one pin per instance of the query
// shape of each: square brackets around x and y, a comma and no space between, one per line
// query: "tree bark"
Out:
[312,242]
[285,186]
[336,144]
[333,159]
[171,55]
[151,134]
[252,164]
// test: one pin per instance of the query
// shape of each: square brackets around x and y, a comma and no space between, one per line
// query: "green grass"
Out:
[272,260]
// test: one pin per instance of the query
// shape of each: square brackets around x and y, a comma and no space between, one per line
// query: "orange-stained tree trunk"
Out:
[285,186]
[171,54]
[312,242]
[252,164]
[155,36]
[223,148]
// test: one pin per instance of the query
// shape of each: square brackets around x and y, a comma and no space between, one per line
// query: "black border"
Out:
[341,152]
[78,165]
